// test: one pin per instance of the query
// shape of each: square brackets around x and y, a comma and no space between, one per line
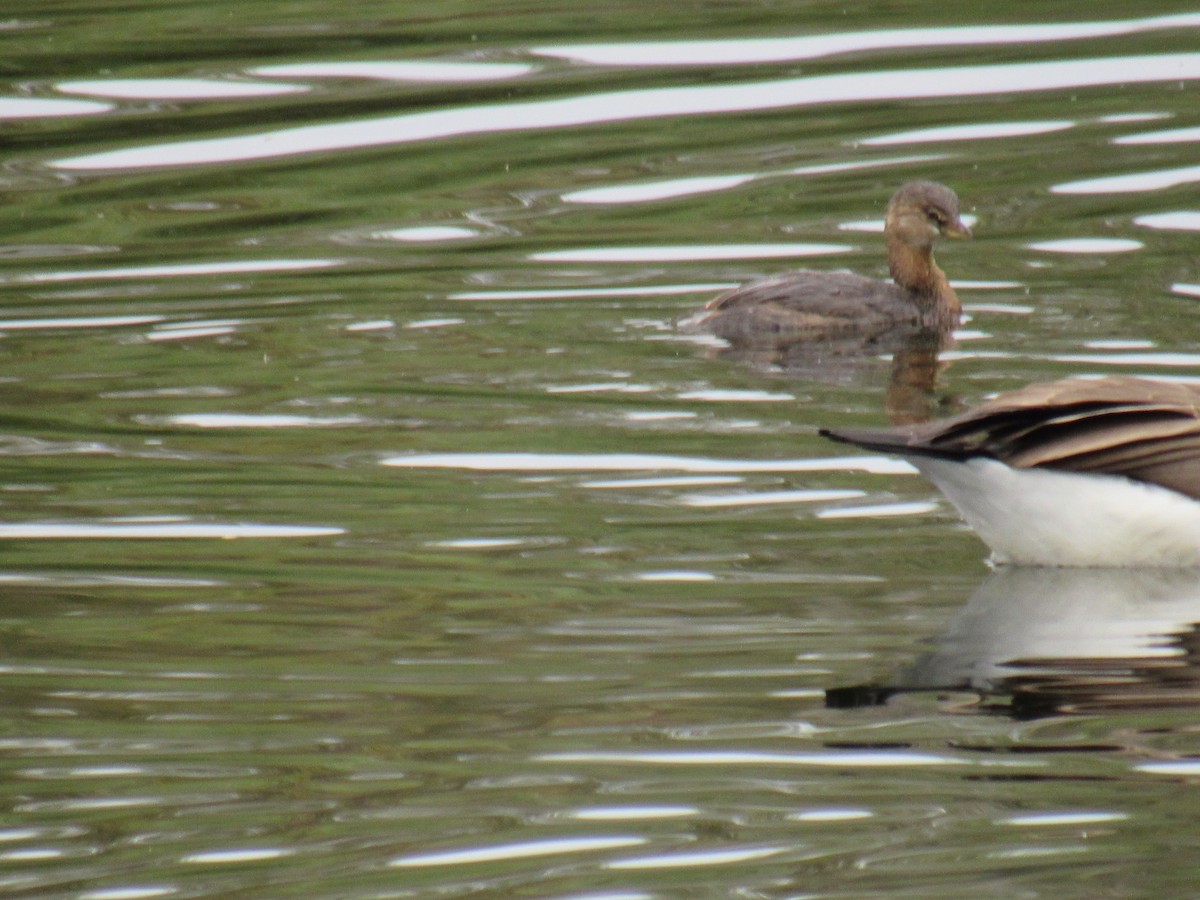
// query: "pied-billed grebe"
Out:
[1079,472]
[811,305]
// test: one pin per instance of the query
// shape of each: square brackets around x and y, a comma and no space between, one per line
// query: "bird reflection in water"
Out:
[1036,642]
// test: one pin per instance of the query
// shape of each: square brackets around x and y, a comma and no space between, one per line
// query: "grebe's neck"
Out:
[913,268]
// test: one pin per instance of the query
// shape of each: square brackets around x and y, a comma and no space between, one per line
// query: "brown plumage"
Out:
[815,306]
[1145,430]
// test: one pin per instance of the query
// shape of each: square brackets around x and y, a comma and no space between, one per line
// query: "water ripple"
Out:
[689,252]
[880,510]
[632,813]
[40,107]
[519,850]
[985,131]
[176,88]
[694,858]
[157,529]
[1180,220]
[788,49]
[240,855]
[751,498]
[569,293]
[672,188]
[1167,136]
[253,420]
[836,758]
[231,267]
[652,103]
[401,70]
[1087,245]
[77,322]
[1056,819]
[1135,182]
[622,462]
[130,892]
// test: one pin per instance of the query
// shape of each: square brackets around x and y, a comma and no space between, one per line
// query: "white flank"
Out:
[1044,517]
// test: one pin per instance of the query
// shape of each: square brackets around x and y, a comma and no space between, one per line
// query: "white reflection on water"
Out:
[520,850]
[401,70]
[1184,360]
[180,331]
[694,858]
[177,88]
[679,481]
[600,387]
[416,324]
[40,107]
[154,529]
[424,233]
[1009,309]
[1119,344]
[835,814]
[971,334]
[1124,118]
[231,267]
[624,813]
[1087,245]
[953,355]
[671,188]
[759,50]
[185,334]
[94,803]
[32,854]
[492,543]
[1184,767]
[618,106]
[130,892]
[834,758]
[689,252]
[658,190]
[567,293]
[1180,220]
[241,855]
[1058,819]
[77,322]
[84,579]
[880,510]
[1132,183]
[875,226]
[656,415]
[623,462]
[1168,136]
[715,395]
[987,131]
[766,498]
[867,226]
[674,576]
[253,420]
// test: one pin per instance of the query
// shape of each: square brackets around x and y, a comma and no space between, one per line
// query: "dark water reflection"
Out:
[368,528]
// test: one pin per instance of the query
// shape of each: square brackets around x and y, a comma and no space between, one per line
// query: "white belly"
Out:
[1043,517]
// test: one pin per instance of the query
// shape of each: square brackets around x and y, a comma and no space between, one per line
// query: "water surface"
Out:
[370,530]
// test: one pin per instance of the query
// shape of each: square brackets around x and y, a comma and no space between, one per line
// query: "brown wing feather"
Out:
[1142,429]
[810,305]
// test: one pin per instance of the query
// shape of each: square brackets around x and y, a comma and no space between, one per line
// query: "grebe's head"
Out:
[922,211]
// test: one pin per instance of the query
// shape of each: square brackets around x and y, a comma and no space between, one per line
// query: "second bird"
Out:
[813,305]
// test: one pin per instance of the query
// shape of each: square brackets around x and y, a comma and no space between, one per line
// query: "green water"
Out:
[284,616]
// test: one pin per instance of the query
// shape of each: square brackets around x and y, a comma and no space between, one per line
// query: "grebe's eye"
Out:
[937,217]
